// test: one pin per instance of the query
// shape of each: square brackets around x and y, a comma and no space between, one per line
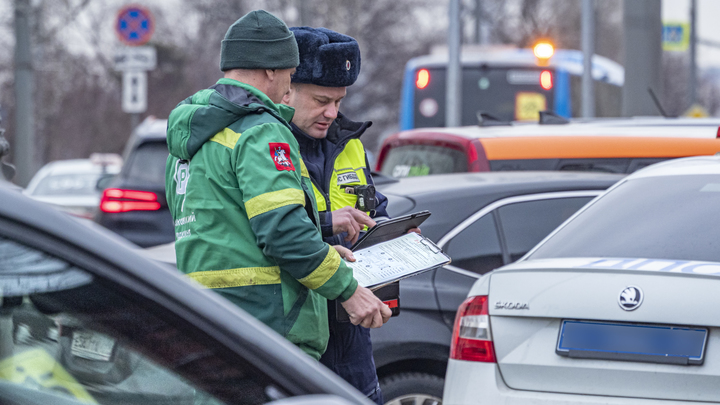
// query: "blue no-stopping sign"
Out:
[134,25]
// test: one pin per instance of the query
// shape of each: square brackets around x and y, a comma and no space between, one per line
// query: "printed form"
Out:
[395,259]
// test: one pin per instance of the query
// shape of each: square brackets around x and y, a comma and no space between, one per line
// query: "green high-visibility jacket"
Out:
[245,214]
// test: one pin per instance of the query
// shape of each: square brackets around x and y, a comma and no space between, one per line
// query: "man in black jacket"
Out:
[335,159]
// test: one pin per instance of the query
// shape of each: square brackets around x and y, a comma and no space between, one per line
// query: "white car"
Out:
[616,306]
[70,185]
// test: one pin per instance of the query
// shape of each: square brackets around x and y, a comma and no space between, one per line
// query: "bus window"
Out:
[422,160]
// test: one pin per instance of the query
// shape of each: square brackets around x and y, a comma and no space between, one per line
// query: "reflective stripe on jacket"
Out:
[243,208]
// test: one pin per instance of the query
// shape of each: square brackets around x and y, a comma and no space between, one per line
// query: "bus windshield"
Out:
[508,93]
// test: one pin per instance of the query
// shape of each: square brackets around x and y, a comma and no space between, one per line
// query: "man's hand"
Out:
[345,253]
[366,310]
[350,220]
[416,230]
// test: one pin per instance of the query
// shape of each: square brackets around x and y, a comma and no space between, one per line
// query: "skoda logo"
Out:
[630,298]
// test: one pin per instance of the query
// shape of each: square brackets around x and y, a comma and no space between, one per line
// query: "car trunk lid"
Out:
[530,300]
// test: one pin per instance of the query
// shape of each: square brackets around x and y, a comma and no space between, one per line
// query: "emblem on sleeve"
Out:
[280,153]
[181,176]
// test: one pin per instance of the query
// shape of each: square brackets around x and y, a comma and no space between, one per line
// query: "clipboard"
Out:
[396,259]
[390,229]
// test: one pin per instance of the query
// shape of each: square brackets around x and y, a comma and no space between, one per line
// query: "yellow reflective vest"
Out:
[348,170]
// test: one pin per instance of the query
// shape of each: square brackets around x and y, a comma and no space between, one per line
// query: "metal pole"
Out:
[478,22]
[24,150]
[588,47]
[304,12]
[134,120]
[693,52]
[453,106]
[642,26]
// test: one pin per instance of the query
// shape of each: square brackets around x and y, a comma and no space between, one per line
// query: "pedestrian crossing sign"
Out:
[675,36]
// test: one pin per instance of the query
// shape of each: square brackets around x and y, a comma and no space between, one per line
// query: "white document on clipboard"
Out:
[396,259]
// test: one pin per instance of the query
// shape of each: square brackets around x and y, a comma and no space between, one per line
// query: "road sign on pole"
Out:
[134,98]
[134,25]
[675,36]
[135,58]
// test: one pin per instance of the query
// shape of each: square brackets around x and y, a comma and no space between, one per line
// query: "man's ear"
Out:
[270,73]
[287,96]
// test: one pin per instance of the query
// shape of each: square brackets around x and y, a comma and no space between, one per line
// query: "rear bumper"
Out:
[471,383]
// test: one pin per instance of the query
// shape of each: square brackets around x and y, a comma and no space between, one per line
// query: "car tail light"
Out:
[471,339]
[116,200]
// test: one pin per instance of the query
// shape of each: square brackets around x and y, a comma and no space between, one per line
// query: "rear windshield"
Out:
[671,217]
[147,163]
[421,160]
[67,184]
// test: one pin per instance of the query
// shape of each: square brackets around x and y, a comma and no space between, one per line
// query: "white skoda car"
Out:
[619,305]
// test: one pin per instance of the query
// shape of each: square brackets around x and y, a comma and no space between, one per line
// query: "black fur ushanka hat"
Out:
[327,58]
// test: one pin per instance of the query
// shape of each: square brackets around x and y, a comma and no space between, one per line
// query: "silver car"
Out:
[70,185]
[616,306]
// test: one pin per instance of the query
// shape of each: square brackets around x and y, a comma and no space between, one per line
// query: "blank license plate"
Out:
[618,341]
[92,345]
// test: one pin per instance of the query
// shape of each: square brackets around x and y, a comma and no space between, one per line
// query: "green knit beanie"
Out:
[259,40]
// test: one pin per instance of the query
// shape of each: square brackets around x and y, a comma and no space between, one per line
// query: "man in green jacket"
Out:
[246,222]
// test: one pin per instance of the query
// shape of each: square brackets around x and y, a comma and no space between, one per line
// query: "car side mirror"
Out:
[104,181]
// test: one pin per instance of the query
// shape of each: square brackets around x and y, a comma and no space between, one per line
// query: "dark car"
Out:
[133,203]
[482,221]
[85,319]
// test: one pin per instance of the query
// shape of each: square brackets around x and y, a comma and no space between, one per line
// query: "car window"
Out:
[421,160]
[525,224]
[670,217]
[76,337]
[147,163]
[67,184]
[477,247]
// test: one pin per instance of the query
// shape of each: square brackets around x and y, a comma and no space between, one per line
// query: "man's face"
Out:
[280,84]
[315,107]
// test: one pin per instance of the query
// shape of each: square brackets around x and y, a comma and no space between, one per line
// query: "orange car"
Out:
[616,146]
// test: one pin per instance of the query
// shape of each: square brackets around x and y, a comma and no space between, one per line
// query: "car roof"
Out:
[452,198]
[259,339]
[638,126]
[152,127]
[454,183]
[71,166]
[697,165]
[150,130]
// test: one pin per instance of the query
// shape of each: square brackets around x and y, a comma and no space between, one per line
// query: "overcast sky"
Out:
[708,15]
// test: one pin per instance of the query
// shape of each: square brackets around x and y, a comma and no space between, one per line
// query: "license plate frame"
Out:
[92,345]
[621,341]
